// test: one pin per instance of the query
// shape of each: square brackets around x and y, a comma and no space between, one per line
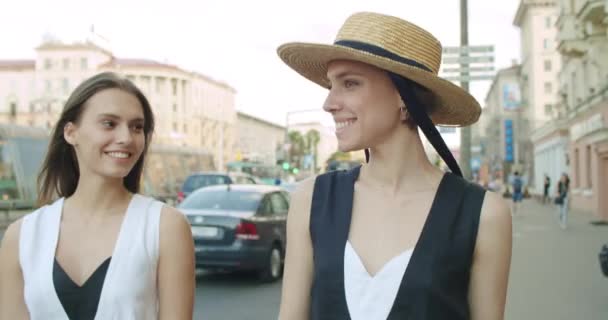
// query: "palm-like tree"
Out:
[297,148]
[313,137]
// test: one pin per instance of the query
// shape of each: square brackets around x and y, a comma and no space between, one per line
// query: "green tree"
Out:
[297,147]
[313,137]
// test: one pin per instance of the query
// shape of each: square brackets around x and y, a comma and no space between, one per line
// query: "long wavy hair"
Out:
[59,173]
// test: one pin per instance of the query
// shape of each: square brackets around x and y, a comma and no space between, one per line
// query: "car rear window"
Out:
[223,200]
[200,181]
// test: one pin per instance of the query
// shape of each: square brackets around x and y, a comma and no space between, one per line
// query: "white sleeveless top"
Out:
[129,291]
[367,297]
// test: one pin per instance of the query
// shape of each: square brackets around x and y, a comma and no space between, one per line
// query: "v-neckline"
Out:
[416,249]
[386,265]
[103,265]
[115,250]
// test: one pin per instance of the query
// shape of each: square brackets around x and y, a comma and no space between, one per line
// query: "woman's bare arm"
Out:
[297,281]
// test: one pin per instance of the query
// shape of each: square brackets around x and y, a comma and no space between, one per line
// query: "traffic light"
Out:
[285,166]
[295,170]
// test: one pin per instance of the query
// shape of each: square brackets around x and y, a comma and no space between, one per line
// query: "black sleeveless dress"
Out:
[436,282]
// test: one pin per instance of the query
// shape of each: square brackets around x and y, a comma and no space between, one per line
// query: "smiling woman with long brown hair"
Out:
[96,248]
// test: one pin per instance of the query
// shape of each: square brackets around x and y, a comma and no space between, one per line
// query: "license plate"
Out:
[205,232]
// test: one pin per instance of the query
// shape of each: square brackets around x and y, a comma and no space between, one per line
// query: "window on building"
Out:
[48,64]
[66,85]
[174,107]
[160,83]
[174,86]
[66,64]
[548,22]
[548,87]
[13,109]
[185,128]
[49,85]
[131,77]
[588,167]
[548,109]
[546,43]
[175,126]
[548,65]
[84,63]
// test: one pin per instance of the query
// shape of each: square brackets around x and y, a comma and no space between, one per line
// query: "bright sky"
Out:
[235,41]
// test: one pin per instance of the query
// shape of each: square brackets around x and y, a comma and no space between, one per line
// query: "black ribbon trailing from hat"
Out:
[415,108]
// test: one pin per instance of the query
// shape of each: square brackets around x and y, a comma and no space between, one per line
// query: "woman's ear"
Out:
[70,133]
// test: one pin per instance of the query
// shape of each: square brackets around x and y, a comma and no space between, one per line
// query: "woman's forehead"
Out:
[339,67]
[114,101]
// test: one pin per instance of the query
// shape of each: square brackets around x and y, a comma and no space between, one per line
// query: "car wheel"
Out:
[273,269]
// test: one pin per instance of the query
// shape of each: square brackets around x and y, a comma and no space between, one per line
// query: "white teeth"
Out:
[340,125]
[121,155]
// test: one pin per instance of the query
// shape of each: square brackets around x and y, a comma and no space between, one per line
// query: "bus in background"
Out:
[22,150]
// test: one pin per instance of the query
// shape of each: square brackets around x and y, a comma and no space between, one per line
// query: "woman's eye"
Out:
[138,127]
[350,83]
[108,123]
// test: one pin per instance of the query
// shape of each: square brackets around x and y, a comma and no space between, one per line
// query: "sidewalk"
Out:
[555,274]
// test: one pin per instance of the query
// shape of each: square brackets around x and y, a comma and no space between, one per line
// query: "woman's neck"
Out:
[400,165]
[97,196]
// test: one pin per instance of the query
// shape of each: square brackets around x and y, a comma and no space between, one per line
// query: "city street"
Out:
[236,296]
[555,274]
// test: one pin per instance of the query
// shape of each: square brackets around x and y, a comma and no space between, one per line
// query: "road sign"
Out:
[468,49]
[468,59]
[467,69]
[470,78]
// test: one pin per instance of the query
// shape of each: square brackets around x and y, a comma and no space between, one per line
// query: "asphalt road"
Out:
[236,296]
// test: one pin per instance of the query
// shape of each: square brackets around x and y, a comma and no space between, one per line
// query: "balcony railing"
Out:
[570,37]
[589,102]
[591,10]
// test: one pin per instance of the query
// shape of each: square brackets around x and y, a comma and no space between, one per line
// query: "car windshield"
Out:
[223,200]
[200,181]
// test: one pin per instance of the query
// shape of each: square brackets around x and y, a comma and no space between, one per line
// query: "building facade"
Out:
[583,105]
[258,140]
[540,60]
[503,131]
[191,110]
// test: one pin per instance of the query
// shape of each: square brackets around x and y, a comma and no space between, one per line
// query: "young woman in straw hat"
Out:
[395,238]
[100,251]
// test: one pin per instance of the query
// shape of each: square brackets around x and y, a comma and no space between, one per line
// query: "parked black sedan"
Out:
[239,227]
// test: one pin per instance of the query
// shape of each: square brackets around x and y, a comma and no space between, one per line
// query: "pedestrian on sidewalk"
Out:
[546,187]
[395,237]
[517,185]
[562,200]
[96,248]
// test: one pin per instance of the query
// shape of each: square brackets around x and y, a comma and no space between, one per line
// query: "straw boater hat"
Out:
[394,45]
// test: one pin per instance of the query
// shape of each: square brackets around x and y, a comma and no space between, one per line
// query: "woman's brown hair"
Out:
[59,173]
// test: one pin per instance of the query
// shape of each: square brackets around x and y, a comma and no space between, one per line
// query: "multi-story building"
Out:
[541,63]
[503,129]
[191,110]
[259,140]
[583,105]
